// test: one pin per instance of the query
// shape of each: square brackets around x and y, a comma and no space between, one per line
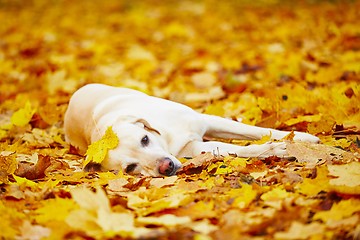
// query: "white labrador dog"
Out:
[153,133]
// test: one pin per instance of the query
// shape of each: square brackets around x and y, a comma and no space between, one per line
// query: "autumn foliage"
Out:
[278,64]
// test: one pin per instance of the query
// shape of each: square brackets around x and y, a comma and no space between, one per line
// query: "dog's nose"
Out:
[167,167]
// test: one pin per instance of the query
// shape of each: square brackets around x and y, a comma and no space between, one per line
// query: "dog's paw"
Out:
[306,137]
[274,149]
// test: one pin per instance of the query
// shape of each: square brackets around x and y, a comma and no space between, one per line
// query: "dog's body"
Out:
[154,132]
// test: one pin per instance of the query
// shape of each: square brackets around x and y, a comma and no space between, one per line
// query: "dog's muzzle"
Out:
[167,167]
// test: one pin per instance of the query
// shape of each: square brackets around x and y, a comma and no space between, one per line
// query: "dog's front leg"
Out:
[224,149]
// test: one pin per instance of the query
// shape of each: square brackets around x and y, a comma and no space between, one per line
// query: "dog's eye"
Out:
[130,168]
[145,141]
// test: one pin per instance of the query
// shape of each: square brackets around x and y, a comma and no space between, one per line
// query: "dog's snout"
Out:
[167,167]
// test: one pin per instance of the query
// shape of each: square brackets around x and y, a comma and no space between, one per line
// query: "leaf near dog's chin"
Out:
[197,164]
[97,151]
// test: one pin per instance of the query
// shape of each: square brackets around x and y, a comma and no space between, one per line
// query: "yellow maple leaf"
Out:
[275,197]
[223,169]
[311,187]
[243,196]
[277,193]
[237,161]
[23,116]
[24,181]
[97,151]
[339,211]
[56,209]
[10,218]
[96,218]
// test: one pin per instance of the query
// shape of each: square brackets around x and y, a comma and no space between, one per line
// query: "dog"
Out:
[154,133]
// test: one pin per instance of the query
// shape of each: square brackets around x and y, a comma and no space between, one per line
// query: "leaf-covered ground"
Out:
[275,64]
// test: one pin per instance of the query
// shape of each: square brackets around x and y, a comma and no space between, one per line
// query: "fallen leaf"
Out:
[117,185]
[36,171]
[347,174]
[348,178]
[56,209]
[161,182]
[96,218]
[197,164]
[299,230]
[97,151]
[338,211]
[23,116]
[8,165]
[242,197]
[313,154]
[10,221]
[312,187]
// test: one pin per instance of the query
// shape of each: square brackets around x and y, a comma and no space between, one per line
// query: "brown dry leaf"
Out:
[197,164]
[161,182]
[314,154]
[117,185]
[43,166]
[8,165]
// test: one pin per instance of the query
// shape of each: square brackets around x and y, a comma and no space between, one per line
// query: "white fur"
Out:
[174,130]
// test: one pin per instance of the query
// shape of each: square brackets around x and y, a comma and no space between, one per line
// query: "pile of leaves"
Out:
[270,63]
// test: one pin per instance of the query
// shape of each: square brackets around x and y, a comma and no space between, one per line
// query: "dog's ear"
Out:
[147,125]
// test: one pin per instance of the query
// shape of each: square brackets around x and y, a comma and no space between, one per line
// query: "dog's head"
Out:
[141,150]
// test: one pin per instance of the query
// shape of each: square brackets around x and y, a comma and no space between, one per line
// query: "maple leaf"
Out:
[314,154]
[275,197]
[96,217]
[56,209]
[348,178]
[339,210]
[161,182]
[24,181]
[10,218]
[242,197]
[97,151]
[311,187]
[8,165]
[23,116]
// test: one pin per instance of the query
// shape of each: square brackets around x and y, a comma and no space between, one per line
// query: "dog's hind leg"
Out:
[224,149]
[218,127]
